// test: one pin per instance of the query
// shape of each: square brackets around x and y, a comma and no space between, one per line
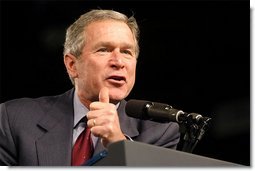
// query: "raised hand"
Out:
[103,119]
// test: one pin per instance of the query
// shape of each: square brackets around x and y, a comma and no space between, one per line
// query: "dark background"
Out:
[195,56]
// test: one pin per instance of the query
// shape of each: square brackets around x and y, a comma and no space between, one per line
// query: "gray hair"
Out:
[76,40]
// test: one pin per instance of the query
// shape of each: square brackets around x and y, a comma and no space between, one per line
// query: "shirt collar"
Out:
[79,109]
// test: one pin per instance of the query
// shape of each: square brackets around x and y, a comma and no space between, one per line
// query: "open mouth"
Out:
[117,79]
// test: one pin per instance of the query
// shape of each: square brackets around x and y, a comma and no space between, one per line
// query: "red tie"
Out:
[83,148]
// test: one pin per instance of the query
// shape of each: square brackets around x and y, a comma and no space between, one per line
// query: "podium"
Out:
[130,153]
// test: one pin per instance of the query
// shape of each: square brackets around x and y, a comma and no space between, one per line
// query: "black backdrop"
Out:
[195,56]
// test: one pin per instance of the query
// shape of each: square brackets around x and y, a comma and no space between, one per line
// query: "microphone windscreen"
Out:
[136,108]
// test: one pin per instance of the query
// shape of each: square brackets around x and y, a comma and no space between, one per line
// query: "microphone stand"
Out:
[194,130]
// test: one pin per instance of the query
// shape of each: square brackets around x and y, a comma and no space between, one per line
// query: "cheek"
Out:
[92,72]
[85,71]
[133,68]
[132,73]
[87,67]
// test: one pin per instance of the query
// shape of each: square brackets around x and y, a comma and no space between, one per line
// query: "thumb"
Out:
[104,95]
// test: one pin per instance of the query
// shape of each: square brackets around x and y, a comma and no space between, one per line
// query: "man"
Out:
[100,55]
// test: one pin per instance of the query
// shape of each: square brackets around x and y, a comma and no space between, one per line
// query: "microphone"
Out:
[158,112]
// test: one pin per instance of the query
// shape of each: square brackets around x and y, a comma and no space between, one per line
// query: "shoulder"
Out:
[31,107]
[40,102]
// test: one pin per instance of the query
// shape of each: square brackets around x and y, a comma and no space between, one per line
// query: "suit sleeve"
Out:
[7,145]
[170,137]
[160,134]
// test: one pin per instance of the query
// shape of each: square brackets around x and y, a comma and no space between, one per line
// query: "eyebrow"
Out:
[107,44]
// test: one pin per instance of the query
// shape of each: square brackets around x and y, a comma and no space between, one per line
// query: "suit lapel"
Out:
[55,145]
[129,126]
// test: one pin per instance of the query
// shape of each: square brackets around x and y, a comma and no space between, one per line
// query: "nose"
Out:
[117,60]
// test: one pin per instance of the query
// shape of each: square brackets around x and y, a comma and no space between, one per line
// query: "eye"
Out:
[128,52]
[103,50]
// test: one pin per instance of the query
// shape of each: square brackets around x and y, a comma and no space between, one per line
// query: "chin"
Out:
[118,94]
[117,97]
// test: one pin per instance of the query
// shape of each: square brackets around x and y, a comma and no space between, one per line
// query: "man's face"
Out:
[108,60]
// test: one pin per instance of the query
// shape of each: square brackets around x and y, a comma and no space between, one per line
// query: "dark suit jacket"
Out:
[39,131]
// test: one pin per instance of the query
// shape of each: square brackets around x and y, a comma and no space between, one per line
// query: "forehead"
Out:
[109,30]
[108,25]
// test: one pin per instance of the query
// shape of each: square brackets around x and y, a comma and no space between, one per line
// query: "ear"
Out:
[70,63]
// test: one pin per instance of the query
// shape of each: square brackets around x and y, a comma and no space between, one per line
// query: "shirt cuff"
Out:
[128,137]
